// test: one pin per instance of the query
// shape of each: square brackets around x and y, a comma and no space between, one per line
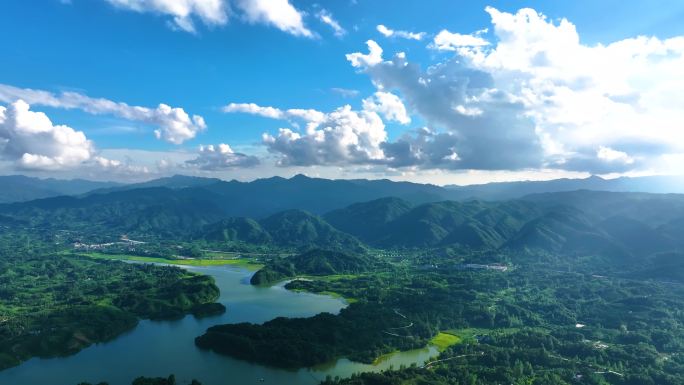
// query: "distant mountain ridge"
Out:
[652,209]
[172,182]
[303,192]
[511,190]
[262,197]
[20,188]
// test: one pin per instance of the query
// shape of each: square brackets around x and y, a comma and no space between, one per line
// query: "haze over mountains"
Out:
[509,190]
[19,188]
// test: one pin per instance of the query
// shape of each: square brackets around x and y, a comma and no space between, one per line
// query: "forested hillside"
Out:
[315,263]
[54,304]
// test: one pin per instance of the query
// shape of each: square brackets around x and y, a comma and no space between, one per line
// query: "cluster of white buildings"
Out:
[101,246]
[486,267]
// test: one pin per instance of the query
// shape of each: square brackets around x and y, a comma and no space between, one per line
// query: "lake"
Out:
[159,348]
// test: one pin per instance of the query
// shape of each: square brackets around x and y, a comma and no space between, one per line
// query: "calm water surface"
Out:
[159,348]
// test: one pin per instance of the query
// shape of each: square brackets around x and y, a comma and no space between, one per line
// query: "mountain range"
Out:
[511,190]
[20,188]
[628,224]
[295,191]
[257,199]
[616,224]
[300,213]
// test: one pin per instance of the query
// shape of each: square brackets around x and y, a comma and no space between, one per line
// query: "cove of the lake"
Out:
[160,348]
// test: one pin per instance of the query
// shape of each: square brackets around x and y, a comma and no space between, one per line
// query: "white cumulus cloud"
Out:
[388,105]
[182,12]
[118,167]
[387,32]
[450,41]
[310,115]
[32,141]
[535,96]
[344,136]
[278,13]
[221,157]
[361,60]
[486,128]
[173,124]
[625,98]
[610,155]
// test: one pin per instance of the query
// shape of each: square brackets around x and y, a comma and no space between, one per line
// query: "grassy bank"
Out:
[444,340]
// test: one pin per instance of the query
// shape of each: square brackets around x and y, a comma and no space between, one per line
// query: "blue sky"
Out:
[131,51]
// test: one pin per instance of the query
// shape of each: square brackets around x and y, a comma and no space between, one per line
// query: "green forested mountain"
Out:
[158,211]
[245,230]
[636,236]
[367,220]
[288,229]
[472,224]
[313,262]
[673,229]
[651,209]
[300,228]
[594,223]
[565,230]
[396,223]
